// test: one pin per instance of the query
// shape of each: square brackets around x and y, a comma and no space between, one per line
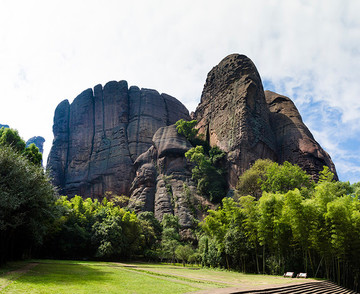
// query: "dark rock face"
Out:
[236,115]
[38,141]
[98,137]
[163,180]
[294,141]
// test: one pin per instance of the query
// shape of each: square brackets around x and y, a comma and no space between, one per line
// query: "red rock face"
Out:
[99,136]
[236,115]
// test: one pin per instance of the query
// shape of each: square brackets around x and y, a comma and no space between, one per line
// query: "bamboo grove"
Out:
[311,228]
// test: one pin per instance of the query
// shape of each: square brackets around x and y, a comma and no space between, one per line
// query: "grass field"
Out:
[54,276]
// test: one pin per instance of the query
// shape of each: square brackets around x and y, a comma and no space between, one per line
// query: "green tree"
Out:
[250,214]
[285,177]
[33,154]
[326,175]
[274,233]
[301,217]
[151,229]
[187,129]
[250,181]
[26,206]
[170,236]
[10,137]
[183,252]
[210,179]
[269,176]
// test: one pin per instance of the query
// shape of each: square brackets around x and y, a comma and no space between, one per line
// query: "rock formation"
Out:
[163,180]
[123,140]
[98,137]
[38,141]
[294,141]
[235,115]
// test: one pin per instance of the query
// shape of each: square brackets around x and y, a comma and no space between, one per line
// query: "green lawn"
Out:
[52,276]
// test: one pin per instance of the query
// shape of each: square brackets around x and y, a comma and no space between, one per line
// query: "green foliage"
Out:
[170,236]
[33,154]
[26,206]
[250,181]
[10,137]
[314,232]
[326,175]
[355,189]
[210,178]
[89,228]
[183,252]
[285,177]
[120,201]
[152,230]
[269,176]
[187,129]
[208,171]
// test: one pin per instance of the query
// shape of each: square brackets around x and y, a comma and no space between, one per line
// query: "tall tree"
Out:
[26,204]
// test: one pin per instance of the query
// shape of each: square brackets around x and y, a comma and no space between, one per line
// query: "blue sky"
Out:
[306,50]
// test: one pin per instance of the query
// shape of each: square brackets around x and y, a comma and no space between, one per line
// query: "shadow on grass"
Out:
[63,274]
[91,277]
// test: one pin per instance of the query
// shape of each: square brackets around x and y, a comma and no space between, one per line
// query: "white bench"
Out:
[302,275]
[288,274]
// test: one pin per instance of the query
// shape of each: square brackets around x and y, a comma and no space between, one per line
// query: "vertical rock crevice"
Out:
[102,134]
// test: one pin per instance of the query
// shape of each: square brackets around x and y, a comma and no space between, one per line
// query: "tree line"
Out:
[295,225]
[277,220]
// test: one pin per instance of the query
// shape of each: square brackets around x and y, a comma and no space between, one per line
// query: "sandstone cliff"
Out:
[163,180]
[236,115]
[233,114]
[98,137]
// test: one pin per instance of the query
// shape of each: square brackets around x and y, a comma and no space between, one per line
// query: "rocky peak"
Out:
[236,115]
[234,68]
[233,114]
[100,134]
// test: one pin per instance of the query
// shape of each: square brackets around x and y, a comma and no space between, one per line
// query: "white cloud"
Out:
[52,50]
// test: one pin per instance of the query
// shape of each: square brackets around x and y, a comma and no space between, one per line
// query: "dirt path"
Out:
[15,274]
[228,287]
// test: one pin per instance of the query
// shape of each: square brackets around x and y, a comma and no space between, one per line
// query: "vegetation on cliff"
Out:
[209,172]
